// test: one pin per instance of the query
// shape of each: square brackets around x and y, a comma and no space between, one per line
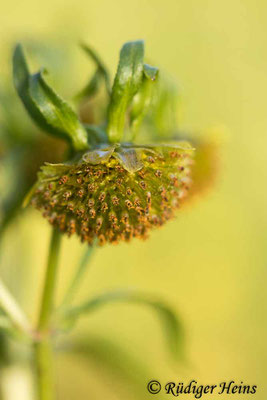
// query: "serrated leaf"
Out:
[126,84]
[46,108]
[171,324]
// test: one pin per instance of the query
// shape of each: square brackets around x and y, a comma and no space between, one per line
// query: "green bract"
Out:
[113,188]
[43,104]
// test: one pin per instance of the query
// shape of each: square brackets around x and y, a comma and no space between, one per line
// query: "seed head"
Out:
[115,193]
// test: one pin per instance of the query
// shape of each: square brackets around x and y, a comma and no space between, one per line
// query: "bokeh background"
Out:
[210,263]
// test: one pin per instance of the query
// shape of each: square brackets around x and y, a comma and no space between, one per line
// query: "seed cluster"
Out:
[107,202]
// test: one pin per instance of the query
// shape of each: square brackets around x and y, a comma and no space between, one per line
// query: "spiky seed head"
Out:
[115,193]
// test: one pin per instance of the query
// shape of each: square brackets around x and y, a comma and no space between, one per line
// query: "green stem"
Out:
[43,346]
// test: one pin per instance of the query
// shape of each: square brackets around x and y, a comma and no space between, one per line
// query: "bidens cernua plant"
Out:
[125,170]
[113,187]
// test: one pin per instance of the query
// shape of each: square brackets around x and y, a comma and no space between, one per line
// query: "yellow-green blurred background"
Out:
[210,263]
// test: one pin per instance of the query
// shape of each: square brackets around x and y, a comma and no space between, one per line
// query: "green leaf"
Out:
[78,276]
[96,135]
[163,117]
[101,69]
[91,88]
[171,324]
[142,100]
[126,84]
[46,108]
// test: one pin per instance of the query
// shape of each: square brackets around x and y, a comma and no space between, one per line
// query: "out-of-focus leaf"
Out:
[13,311]
[131,373]
[126,84]
[101,74]
[78,275]
[18,170]
[12,194]
[143,99]
[171,324]
[101,69]
[42,103]
[161,121]
[91,88]
[4,356]
[96,135]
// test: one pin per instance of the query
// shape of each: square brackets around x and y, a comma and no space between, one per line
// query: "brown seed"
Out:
[102,196]
[137,202]
[148,197]
[125,218]
[143,185]
[112,217]
[92,187]
[92,213]
[99,223]
[91,203]
[129,204]
[150,159]
[81,192]
[70,206]
[104,207]
[115,200]
[67,195]
[63,179]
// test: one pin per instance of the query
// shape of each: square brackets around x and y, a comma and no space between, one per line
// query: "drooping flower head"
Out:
[113,195]
[112,188]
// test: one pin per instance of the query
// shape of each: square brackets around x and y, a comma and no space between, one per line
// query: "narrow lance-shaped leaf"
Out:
[171,324]
[126,84]
[46,108]
[101,69]
[91,88]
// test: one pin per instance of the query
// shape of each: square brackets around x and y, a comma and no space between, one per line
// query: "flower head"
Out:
[115,193]
[113,188]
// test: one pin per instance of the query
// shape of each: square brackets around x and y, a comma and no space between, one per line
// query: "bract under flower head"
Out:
[115,193]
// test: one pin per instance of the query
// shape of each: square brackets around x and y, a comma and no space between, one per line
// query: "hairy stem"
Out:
[43,346]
